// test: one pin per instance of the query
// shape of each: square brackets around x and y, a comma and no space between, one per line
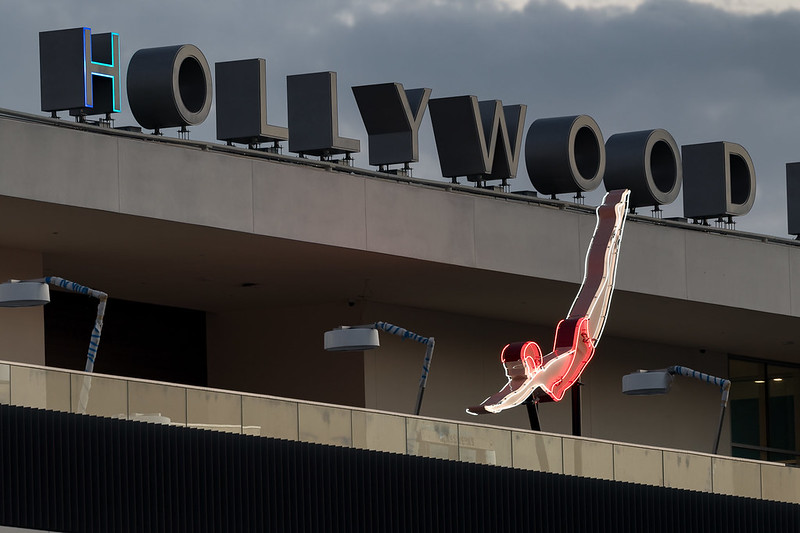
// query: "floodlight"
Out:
[15,293]
[647,382]
[348,338]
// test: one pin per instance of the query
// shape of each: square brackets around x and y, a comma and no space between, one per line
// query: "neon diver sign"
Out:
[578,334]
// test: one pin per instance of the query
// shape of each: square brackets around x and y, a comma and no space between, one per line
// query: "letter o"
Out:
[565,154]
[646,162]
[169,86]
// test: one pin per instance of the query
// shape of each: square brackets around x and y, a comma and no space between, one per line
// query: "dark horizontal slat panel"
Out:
[65,472]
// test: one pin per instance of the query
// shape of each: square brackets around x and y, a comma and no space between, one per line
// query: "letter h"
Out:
[79,71]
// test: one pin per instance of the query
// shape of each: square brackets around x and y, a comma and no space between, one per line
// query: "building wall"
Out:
[186,224]
[216,187]
[466,369]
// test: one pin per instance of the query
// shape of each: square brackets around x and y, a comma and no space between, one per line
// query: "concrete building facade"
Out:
[273,250]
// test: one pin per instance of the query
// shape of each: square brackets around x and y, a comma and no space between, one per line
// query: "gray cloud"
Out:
[699,72]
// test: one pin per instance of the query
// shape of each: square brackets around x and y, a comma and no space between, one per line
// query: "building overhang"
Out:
[193,226]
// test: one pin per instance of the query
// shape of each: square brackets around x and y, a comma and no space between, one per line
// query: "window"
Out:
[765,409]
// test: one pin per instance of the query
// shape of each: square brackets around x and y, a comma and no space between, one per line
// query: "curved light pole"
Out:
[365,337]
[649,382]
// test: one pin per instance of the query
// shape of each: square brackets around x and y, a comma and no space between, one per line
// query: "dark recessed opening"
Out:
[663,166]
[192,84]
[139,340]
[740,180]
[587,153]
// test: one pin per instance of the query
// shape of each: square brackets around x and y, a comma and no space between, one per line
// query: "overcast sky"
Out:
[705,70]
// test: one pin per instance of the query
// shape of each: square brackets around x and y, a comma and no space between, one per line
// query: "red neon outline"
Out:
[581,348]
[577,335]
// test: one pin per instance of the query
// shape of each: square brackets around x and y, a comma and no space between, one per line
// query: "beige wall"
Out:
[22,329]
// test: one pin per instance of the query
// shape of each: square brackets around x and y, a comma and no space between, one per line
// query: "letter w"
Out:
[480,140]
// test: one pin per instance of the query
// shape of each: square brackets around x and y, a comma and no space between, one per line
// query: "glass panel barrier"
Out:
[780,483]
[324,425]
[687,471]
[154,402]
[37,387]
[489,446]
[737,478]
[587,458]
[533,451]
[379,432]
[638,465]
[432,438]
[218,411]
[60,390]
[266,417]
[5,384]
[105,396]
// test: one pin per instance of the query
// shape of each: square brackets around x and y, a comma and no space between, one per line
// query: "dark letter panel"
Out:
[242,103]
[392,117]
[479,140]
[718,180]
[314,116]
[459,135]
[793,197]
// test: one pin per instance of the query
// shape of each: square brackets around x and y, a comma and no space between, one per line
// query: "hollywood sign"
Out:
[481,140]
